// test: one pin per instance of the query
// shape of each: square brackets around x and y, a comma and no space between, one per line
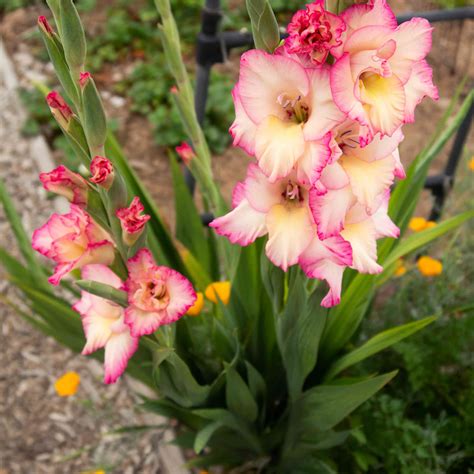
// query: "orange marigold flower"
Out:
[429,266]
[219,289]
[401,269]
[196,308]
[68,384]
[471,164]
[417,224]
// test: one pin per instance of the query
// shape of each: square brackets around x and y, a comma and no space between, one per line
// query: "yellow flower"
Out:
[430,224]
[417,223]
[196,308]
[219,289]
[471,164]
[429,266]
[68,384]
[401,269]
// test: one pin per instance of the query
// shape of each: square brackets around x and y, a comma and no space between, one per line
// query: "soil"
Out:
[40,427]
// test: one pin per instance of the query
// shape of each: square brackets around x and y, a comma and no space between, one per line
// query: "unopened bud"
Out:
[132,221]
[102,172]
[45,26]
[174,90]
[59,108]
[66,183]
[84,79]
[185,152]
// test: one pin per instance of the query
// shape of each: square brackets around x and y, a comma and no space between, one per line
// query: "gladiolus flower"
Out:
[284,114]
[313,33]
[281,210]
[132,220]
[102,172]
[103,323]
[73,240]
[67,385]
[66,183]
[59,108]
[44,25]
[157,295]
[196,308]
[185,152]
[429,266]
[382,74]
[219,290]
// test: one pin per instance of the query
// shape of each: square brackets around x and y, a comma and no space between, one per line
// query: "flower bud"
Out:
[185,152]
[102,172]
[266,34]
[66,183]
[72,36]
[44,25]
[95,123]
[132,221]
[60,110]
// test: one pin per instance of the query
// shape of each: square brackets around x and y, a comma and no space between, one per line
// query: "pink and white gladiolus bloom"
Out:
[66,183]
[132,220]
[103,323]
[382,74]
[313,33]
[284,115]
[157,295]
[282,211]
[102,172]
[73,240]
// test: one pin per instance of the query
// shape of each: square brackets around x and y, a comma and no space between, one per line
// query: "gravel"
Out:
[39,431]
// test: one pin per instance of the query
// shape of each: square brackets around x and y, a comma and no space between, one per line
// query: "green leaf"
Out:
[266,34]
[94,122]
[299,330]
[233,422]
[189,228]
[238,397]
[324,406]
[419,239]
[175,381]
[73,37]
[104,291]
[204,435]
[61,68]
[376,344]
[257,383]
[24,241]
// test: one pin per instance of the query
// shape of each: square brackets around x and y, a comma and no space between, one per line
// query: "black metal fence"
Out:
[214,46]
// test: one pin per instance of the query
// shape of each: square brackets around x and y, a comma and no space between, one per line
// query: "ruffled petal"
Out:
[324,113]
[290,230]
[181,293]
[419,85]
[317,155]
[369,181]
[329,210]
[118,350]
[362,237]
[263,78]
[141,322]
[376,13]
[278,147]
[243,129]
[259,191]
[242,225]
